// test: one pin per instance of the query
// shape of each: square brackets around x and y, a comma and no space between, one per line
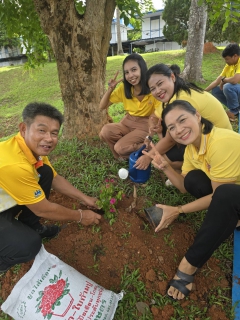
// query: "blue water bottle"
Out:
[136,175]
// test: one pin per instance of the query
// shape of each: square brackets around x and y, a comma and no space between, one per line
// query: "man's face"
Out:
[231,61]
[41,136]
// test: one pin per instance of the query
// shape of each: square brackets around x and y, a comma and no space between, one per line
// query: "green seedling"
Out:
[168,241]
[16,268]
[126,235]
[96,229]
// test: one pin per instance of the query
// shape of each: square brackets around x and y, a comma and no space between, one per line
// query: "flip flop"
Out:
[180,284]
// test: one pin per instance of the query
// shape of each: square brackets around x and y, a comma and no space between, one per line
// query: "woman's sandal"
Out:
[180,284]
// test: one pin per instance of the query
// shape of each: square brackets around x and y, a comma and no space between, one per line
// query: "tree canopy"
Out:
[5,40]
[176,16]
[79,33]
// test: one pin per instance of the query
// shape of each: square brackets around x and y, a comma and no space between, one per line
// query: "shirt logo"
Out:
[37,193]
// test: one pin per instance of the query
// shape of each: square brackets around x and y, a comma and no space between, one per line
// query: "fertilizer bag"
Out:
[51,289]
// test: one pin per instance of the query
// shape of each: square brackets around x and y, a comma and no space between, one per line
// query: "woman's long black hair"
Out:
[185,105]
[143,67]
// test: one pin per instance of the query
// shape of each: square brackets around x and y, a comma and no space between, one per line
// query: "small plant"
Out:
[16,268]
[108,199]
[167,240]
[96,229]
[126,235]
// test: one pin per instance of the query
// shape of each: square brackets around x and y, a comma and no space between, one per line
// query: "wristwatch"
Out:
[149,138]
[223,79]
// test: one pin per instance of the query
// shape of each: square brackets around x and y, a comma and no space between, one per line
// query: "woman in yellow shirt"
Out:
[167,86]
[127,136]
[211,173]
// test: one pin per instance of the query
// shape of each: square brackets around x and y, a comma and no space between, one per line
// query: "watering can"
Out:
[136,175]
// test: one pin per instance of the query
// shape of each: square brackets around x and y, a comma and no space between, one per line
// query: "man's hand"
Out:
[169,215]
[90,202]
[89,218]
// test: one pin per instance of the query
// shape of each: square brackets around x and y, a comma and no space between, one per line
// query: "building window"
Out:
[155,26]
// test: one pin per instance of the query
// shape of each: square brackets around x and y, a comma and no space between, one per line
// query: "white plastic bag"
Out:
[51,289]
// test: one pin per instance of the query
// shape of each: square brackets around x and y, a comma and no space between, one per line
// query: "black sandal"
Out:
[180,284]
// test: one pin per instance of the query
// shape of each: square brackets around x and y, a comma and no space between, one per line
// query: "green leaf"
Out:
[65,292]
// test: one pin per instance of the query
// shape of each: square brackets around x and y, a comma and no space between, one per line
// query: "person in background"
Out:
[128,136]
[167,86]
[26,178]
[226,88]
[212,160]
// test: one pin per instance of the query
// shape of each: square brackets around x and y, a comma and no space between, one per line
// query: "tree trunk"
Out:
[80,44]
[196,34]
[119,38]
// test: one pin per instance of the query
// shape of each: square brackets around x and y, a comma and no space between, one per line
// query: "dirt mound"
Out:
[209,48]
[102,252]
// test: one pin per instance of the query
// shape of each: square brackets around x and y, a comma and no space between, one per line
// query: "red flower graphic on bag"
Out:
[50,297]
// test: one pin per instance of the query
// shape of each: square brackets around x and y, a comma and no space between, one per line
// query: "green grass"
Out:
[87,163]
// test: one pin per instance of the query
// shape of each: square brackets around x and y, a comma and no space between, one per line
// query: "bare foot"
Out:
[187,268]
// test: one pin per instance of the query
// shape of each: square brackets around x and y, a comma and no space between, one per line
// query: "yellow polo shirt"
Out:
[230,71]
[218,156]
[18,175]
[206,104]
[133,106]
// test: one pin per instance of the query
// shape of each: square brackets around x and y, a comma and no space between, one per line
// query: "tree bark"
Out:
[196,34]
[119,38]
[80,44]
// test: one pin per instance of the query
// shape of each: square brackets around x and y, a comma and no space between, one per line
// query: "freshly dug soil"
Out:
[102,254]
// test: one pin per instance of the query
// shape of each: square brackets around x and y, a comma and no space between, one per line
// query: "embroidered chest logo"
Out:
[37,193]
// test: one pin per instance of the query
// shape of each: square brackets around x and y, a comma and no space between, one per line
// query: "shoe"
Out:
[180,284]
[168,183]
[232,117]
[49,232]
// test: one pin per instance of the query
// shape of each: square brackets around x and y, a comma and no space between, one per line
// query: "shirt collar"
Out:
[28,153]
[203,144]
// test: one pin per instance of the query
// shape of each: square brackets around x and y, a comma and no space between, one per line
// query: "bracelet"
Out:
[149,138]
[80,210]
[223,79]
[180,209]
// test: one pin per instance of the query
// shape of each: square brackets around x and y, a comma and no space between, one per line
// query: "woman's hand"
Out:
[155,125]
[159,161]
[169,215]
[143,162]
[113,82]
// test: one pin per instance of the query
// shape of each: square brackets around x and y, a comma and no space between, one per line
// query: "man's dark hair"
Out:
[41,109]
[143,67]
[185,105]
[231,50]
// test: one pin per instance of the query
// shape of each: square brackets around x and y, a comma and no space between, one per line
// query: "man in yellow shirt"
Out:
[226,88]
[26,178]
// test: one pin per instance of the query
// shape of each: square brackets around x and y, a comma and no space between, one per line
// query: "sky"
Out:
[158,4]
